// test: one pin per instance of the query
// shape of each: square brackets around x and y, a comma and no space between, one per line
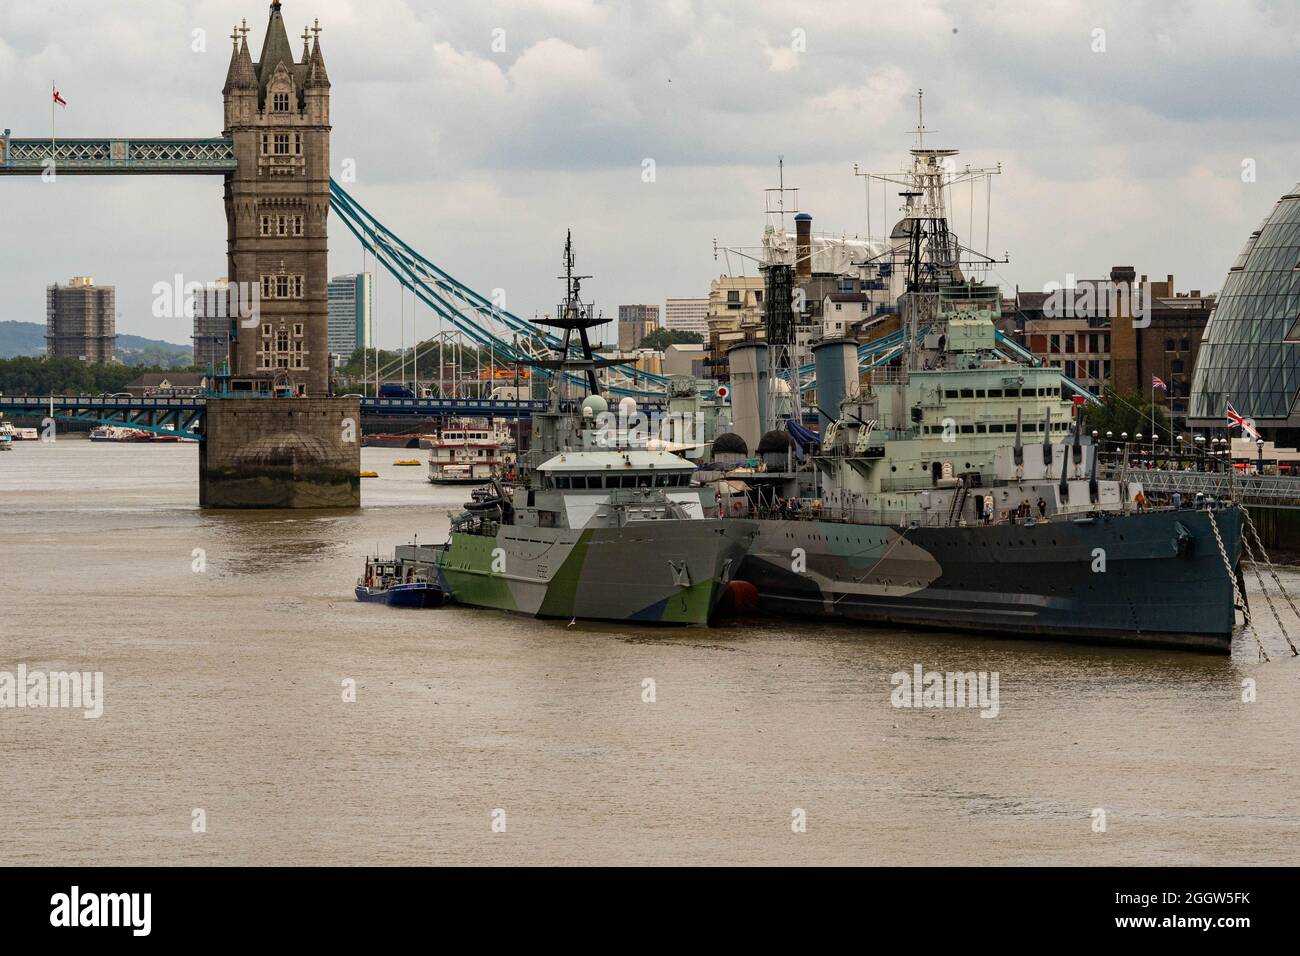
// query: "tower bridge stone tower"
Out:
[277,210]
[302,451]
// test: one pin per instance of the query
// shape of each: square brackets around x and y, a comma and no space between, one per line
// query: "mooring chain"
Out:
[1259,547]
[1232,578]
[1254,563]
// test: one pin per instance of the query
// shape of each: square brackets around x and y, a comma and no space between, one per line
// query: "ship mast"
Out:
[576,317]
[779,317]
[921,247]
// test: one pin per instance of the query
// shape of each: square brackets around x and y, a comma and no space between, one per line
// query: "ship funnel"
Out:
[836,361]
[748,366]
[803,245]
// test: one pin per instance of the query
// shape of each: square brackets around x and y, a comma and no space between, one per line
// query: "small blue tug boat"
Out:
[393,582]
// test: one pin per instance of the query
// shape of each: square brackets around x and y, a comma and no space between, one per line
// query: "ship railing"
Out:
[644,495]
[811,509]
[468,523]
[888,375]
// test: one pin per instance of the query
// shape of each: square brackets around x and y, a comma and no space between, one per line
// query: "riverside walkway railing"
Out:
[1274,491]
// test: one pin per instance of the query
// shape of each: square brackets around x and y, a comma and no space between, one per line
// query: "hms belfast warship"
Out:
[594,524]
[956,488]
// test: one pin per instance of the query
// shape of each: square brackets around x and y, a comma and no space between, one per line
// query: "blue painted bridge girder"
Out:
[469,407]
[81,157]
[184,416]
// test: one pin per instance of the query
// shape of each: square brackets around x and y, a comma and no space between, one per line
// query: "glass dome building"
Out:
[1250,354]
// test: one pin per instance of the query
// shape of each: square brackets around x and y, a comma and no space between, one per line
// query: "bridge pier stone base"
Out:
[281,453]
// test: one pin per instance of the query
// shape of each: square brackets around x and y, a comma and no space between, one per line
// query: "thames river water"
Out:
[227,641]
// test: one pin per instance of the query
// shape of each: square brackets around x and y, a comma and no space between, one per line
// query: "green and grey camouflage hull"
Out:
[671,572]
[1152,579]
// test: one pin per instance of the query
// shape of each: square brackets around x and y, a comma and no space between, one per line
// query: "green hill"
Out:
[21,338]
[28,338]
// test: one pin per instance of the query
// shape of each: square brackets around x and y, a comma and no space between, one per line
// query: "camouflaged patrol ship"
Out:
[601,534]
[952,491]
[593,524]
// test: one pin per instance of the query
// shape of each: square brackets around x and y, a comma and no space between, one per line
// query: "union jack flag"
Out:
[1238,421]
[1158,382]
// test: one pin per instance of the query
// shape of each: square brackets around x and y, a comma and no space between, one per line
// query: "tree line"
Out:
[30,375]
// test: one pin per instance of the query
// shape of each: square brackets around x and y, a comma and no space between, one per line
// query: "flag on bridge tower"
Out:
[56,101]
[1158,382]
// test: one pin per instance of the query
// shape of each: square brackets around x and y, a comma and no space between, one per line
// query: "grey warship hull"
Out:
[1151,579]
[653,572]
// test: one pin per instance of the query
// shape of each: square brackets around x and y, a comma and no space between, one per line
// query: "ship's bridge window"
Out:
[995,393]
[561,482]
[979,393]
[979,429]
[968,393]
[950,393]
[997,429]
[968,429]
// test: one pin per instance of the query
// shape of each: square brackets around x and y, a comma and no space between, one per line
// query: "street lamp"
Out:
[1259,467]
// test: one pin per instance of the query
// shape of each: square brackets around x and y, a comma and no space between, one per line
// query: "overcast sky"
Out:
[480,158]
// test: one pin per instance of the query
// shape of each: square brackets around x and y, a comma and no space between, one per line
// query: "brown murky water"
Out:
[224,692]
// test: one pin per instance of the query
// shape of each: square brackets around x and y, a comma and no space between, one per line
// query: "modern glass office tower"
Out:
[350,299]
[1251,351]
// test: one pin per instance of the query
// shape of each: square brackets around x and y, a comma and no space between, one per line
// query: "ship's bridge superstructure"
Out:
[938,419]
